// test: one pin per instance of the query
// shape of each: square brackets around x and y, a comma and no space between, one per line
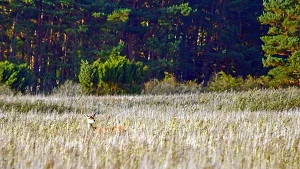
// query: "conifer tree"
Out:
[282,43]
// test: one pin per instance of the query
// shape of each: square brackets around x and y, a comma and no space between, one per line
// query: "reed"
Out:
[257,129]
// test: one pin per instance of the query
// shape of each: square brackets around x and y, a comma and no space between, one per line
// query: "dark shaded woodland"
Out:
[191,39]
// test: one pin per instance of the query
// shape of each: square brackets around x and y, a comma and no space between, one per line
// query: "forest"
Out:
[113,43]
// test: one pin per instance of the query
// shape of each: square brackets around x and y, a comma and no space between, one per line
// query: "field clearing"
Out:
[253,129]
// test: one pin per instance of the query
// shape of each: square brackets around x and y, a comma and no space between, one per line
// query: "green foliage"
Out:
[158,68]
[169,85]
[287,74]
[17,76]
[88,76]
[183,8]
[118,75]
[119,15]
[281,45]
[186,34]
[224,82]
[251,82]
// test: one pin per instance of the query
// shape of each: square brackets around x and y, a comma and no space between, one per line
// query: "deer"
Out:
[103,129]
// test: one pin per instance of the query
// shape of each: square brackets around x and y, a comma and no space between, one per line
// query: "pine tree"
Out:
[282,43]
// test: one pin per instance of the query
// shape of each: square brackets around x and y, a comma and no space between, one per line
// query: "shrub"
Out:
[169,85]
[118,75]
[69,88]
[88,77]
[5,90]
[17,76]
[222,82]
[255,83]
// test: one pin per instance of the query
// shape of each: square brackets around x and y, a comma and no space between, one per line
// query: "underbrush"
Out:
[169,85]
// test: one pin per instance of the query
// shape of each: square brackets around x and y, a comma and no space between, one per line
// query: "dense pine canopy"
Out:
[191,39]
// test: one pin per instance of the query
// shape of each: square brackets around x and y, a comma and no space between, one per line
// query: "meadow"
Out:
[250,129]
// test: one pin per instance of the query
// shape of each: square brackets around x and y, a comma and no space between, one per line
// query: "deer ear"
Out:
[85,116]
[94,115]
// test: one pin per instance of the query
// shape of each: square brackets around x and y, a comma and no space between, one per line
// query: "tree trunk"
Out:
[129,46]
[37,51]
[14,35]
[240,25]
[28,47]
[183,56]
[2,47]
[64,50]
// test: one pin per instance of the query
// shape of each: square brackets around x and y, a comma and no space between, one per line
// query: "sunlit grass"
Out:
[254,129]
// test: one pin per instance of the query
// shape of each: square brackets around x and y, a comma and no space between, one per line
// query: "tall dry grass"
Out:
[254,129]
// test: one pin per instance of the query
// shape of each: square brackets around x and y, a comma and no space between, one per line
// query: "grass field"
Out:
[253,129]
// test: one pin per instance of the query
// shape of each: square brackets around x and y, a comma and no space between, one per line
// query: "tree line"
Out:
[190,39]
